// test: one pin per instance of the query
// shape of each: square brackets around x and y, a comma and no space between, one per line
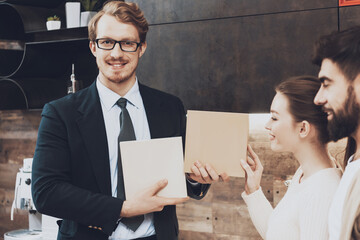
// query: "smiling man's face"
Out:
[339,101]
[116,66]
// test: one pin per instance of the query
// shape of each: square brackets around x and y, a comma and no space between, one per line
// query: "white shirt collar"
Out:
[352,161]
[351,158]
[109,97]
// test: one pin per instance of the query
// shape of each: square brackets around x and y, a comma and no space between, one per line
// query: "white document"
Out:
[146,162]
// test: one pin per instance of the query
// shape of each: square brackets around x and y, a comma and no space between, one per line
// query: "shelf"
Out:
[36,63]
[61,35]
[36,3]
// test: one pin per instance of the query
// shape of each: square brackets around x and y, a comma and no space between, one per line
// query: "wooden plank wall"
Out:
[222,214]
[18,133]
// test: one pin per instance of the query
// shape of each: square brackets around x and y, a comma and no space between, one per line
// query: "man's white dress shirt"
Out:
[111,112]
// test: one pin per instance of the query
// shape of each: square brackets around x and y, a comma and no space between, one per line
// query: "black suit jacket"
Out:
[71,170]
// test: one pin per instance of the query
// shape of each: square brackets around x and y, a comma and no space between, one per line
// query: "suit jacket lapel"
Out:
[92,129]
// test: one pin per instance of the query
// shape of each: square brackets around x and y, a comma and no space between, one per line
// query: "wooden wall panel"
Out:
[229,219]
[232,64]
[15,150]
[220,191]
[185,235]
[195,216]
[190,235]
[192,10]
[18,133]
[279,189]
[8,173]
[279,164]
[19,124]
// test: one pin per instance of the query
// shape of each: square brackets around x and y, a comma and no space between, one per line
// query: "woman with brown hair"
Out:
[298,126]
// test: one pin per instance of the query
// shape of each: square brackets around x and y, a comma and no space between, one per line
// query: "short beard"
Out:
[345,121]
[119,78]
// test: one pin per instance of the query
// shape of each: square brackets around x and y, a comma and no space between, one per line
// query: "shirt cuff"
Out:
[192,182]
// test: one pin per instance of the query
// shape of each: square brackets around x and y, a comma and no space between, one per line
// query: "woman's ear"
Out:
[304,129]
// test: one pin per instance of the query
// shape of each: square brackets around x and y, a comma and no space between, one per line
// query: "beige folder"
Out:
[146,162]
[217,138]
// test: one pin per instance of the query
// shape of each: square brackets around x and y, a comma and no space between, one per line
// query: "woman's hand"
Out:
[253,171]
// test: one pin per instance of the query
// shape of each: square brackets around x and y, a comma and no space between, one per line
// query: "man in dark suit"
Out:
[75,168]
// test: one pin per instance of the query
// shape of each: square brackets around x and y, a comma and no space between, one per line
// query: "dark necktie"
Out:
[126,134]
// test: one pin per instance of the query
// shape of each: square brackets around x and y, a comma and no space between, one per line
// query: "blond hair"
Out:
[124,12]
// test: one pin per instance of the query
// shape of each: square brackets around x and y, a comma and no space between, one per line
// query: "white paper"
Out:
[146,162]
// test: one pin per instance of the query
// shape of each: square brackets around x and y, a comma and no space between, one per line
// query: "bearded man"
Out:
[338,54]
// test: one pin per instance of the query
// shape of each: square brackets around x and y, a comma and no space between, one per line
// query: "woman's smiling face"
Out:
[281,126]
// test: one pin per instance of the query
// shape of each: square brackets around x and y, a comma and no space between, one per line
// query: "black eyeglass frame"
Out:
[115,42]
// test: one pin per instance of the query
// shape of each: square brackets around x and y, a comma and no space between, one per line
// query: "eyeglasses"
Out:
[109,44]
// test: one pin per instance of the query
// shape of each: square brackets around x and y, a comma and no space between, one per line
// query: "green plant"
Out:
[88,5]
[53,18]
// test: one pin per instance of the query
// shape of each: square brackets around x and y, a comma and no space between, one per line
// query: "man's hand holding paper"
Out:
[153,170]
[145,163]
[147,201]
[206,174]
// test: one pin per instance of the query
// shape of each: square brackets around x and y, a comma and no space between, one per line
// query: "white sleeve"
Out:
[260,210]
